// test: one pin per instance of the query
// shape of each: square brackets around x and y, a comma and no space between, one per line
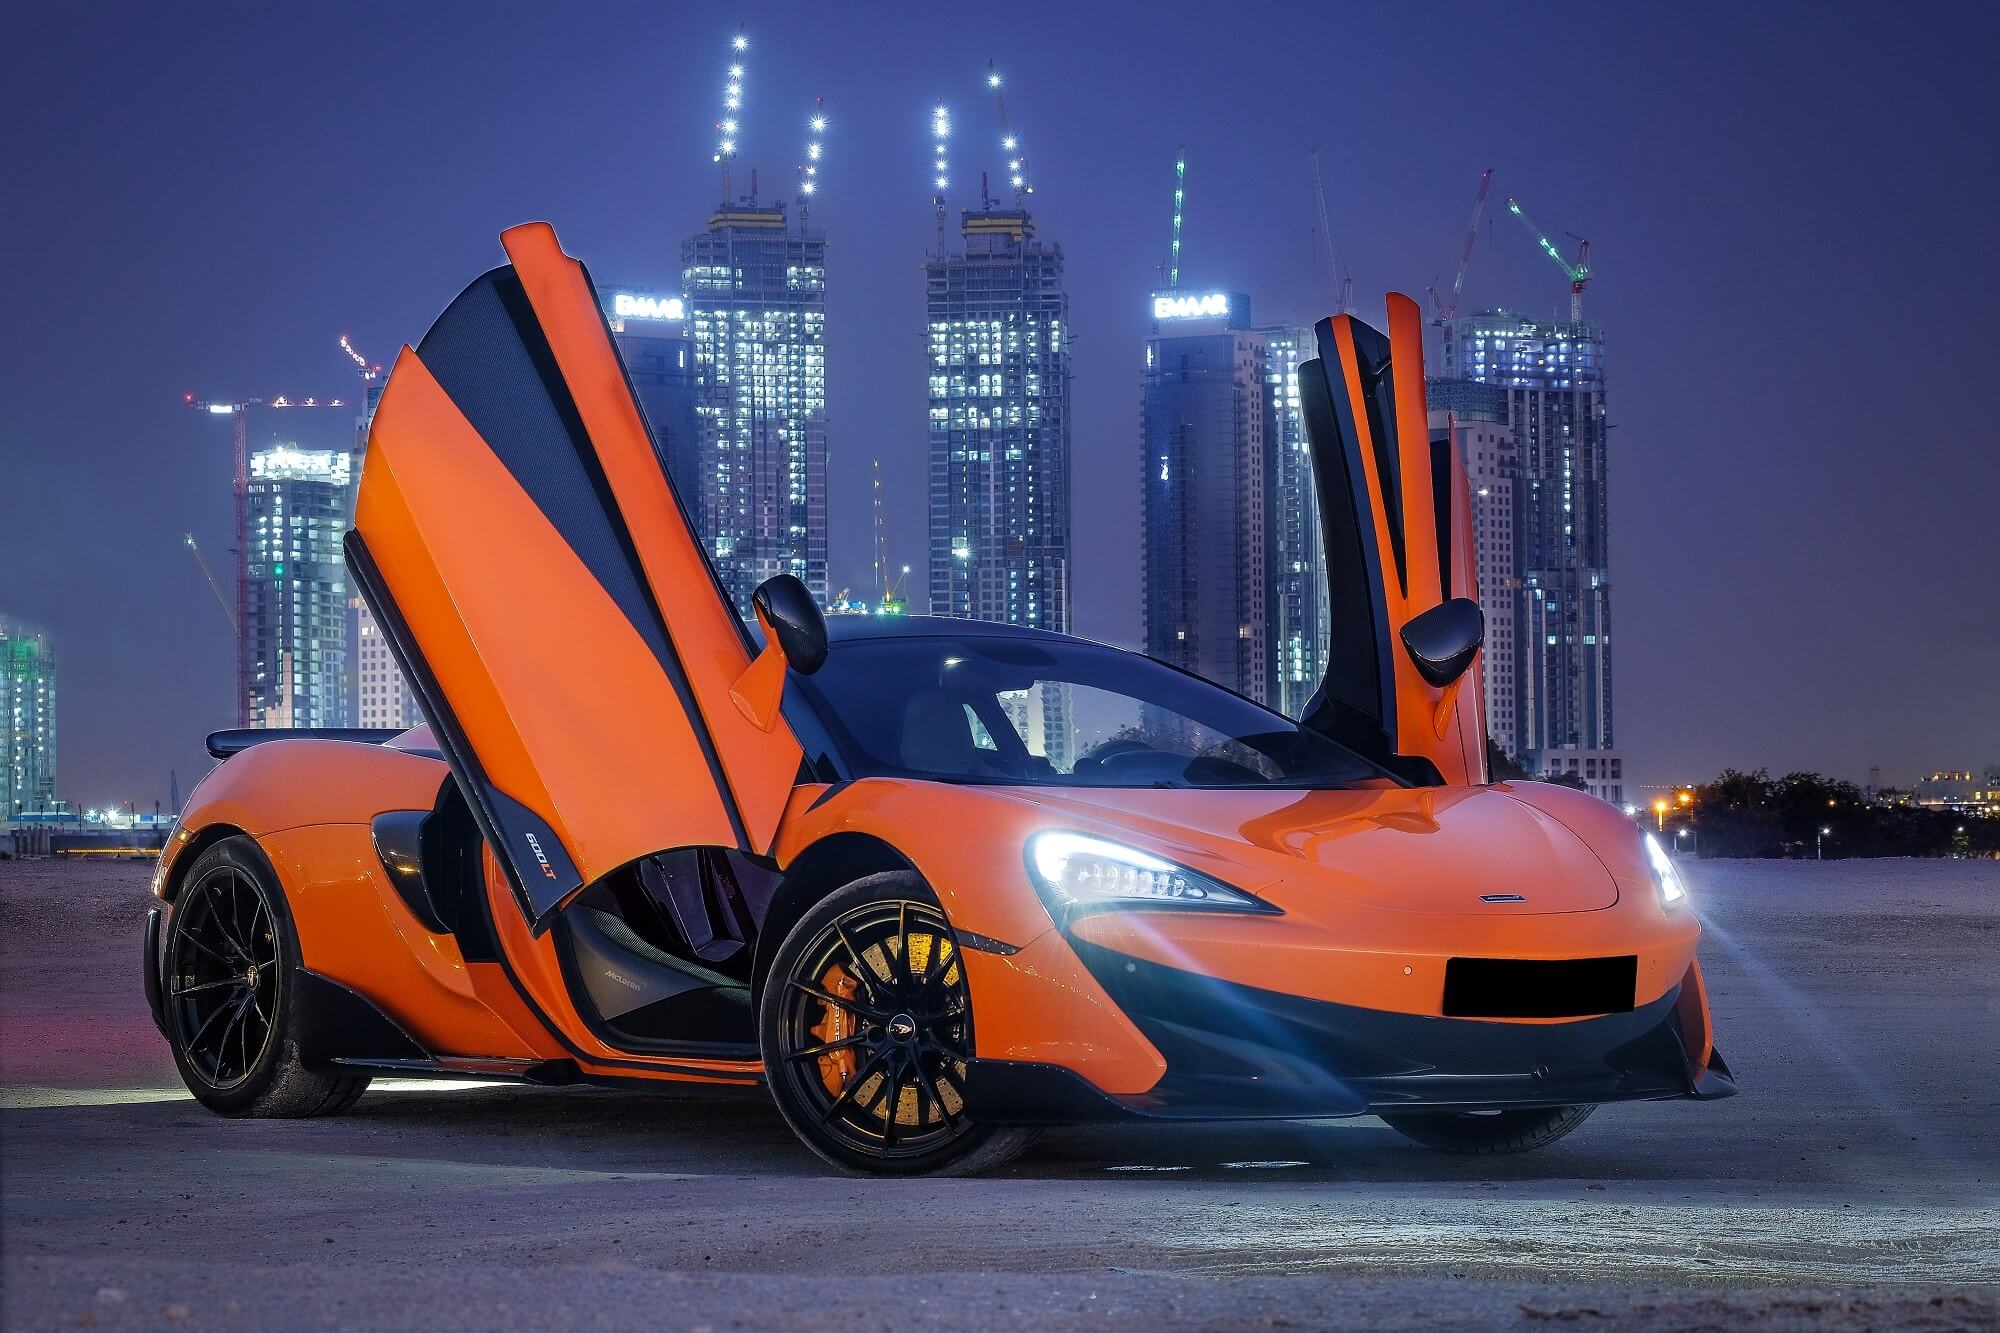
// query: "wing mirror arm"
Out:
[794,638]
[1443,640]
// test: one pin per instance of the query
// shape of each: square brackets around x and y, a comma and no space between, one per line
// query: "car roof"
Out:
[842,628]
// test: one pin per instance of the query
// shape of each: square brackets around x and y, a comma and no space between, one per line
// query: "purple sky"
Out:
[1791,216]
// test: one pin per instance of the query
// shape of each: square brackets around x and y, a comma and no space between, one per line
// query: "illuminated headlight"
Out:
[1672,892]
[1077,873]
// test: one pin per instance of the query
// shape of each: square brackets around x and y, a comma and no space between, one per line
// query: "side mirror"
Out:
[792,617]
[1443,640]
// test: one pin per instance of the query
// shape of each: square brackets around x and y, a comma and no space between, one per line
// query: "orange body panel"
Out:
[1458,747]
[502,625]
[760,763]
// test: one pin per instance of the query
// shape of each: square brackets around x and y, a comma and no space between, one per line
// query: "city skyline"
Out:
[1725,531]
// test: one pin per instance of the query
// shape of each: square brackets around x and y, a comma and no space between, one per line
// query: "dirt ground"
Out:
[1853,1184]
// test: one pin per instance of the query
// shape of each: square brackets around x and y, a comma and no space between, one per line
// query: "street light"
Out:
[1819,843]
[1660,814]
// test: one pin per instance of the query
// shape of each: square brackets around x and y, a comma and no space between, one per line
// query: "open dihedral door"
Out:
[551,604]
[1396,517]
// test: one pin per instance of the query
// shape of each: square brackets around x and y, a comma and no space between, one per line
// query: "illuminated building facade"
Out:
[756,301]
[297,505]
[27,721]
[997,358]
[1299,613]
[1550,383]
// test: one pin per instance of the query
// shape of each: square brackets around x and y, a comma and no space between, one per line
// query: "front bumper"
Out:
[1236,1052]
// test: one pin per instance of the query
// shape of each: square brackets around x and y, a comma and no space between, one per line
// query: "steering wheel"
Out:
[1112,749]
[1234,754]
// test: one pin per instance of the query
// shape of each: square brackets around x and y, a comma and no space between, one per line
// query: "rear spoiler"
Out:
[222,744]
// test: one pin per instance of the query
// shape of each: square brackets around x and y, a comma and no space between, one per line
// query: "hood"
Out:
[1426,849]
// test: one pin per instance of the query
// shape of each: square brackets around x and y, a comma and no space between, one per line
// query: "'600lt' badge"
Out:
[541,857]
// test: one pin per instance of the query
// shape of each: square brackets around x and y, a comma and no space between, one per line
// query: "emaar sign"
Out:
[629,305]
[1199,305]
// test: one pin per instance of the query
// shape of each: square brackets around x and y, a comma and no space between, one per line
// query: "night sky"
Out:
[1791,213]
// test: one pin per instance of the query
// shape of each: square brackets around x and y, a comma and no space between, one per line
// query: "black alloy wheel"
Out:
[866,1025]
[228,965]
[223,975]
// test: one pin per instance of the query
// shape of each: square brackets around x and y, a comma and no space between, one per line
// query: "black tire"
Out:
[1489,1132]
[228,959]
[869,1068]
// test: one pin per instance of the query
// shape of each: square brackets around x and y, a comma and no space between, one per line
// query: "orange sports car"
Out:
[931,882]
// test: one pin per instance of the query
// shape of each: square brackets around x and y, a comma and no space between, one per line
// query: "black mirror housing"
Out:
[795,620]
[1444,640]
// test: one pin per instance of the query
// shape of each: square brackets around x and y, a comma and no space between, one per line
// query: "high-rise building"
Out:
[1206,422]
[651,331]
[1299,610]
[1234,579]
[297,504]
[27,721]
[1492,464]
[998,358]
[999,424]
[1551,378]
[756,297]
[377,695]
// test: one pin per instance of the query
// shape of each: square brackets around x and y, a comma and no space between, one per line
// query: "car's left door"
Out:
[549,599]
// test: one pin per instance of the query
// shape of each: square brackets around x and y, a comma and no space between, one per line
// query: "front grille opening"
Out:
[1536,988]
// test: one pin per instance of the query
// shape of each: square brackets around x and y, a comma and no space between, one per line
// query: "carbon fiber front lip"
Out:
[1238,1052]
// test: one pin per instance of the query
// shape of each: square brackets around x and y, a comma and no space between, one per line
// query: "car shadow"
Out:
[600,1131]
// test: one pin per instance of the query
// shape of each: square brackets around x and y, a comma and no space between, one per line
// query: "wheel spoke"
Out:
[827,1048]
[224,921]
[862,972]
[209,985]
[895,1086]
[931,1090]
[832,999]
[224,959]
[847,1093]
[195,1042]
[902,956]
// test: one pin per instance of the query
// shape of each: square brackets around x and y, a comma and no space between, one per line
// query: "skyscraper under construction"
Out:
[998,334]
[756,297]
[755,282]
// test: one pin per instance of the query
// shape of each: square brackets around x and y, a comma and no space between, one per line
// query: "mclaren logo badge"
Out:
[541,857]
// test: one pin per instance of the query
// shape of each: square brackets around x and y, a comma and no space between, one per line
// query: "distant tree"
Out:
[1751,814]
[1503,767]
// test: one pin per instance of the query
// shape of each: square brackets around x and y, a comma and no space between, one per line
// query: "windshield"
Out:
[985,709]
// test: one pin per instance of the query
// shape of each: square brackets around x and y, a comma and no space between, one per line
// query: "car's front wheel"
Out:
[1489,1131]
[866,1028]
[228,991]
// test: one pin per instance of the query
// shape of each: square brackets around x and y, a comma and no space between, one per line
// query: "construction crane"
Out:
[891,593]
[1578,273]
[1443,308]
[209,574]
[1171,270]
[1017,161]
[1343,283]
[725,128]
[809,169]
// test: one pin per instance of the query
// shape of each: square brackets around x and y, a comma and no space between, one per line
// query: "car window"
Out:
[1004,710]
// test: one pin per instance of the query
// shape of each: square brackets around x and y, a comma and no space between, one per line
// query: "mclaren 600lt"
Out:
[932,882]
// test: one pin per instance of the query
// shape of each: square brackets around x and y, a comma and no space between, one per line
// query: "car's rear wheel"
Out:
[1489,1131]
[228,991]
[866,1028]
